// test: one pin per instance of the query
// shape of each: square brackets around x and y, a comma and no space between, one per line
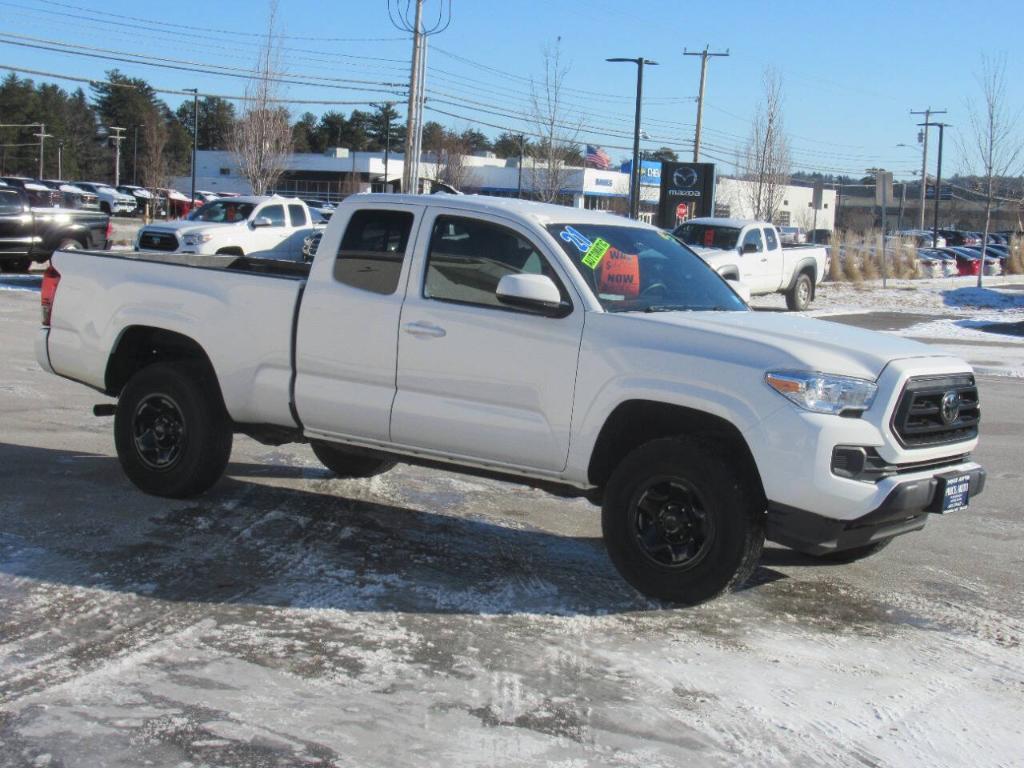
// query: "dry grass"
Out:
[1015,263]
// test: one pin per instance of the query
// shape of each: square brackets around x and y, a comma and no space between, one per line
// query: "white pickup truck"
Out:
[572,350]
[265,227]
[753,253]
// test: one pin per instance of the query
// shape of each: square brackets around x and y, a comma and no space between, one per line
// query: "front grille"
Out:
[158,241]
[922,420]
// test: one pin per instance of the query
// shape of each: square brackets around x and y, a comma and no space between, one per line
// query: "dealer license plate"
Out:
[956,492]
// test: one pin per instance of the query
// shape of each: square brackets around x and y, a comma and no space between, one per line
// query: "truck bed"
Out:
[241,311]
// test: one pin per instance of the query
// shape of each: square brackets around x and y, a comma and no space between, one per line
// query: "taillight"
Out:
[49,291]
[110,232]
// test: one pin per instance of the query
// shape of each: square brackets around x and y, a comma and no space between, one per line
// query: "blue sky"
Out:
[851,71]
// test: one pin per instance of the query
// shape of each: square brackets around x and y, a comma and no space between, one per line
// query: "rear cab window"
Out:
[753,237]
[769,235]
[298,215]
[373,249]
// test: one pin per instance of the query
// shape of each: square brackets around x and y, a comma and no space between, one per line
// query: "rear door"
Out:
[15,224]
[346,346]
[773,260]
[300,227]
[478,379]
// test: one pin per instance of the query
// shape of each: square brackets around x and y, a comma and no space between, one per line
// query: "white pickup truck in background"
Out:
[572,350]
[753,253]
[265,227]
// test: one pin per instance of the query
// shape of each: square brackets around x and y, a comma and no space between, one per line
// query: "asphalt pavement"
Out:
[287,618]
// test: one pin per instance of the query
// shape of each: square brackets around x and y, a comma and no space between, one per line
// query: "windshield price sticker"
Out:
[580,241]
[595,253]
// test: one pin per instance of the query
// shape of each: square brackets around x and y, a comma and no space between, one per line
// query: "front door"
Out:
[476,378]
[15,224]
[270,240]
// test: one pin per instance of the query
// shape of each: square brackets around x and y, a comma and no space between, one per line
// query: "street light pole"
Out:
[522,155]
[195,139]
[634,181]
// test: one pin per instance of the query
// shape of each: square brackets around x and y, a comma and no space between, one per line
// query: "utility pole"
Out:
[412,123]
[924,156]
[704,56]
[60,160]
[42,136]
[938,184]
[117,138]
[387,141]
[522,155]
[195,140]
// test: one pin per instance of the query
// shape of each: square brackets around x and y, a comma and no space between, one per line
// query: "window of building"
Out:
[275,213]
[298,215]
[372,250]
[468,258]
[782,219]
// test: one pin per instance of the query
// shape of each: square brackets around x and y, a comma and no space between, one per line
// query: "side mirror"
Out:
[740,288]
[536,292]
[261,221]
[749,248]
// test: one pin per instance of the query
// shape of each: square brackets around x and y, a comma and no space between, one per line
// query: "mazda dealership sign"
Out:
[689,183]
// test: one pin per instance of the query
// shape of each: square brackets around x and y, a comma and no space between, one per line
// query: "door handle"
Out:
[424,330]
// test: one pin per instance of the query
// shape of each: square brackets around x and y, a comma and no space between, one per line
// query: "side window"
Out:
[275,213]
[753,236]
[468,258]
[372,250]
[298,215]
[769,235]
[10,202]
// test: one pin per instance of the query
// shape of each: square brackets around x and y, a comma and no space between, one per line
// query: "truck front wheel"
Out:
[680,524]
[798,298]
[172,433]
[348,464]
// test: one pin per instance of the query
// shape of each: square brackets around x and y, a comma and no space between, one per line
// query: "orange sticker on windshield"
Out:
[619,273]
[709,237]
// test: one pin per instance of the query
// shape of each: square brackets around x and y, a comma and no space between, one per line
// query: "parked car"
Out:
[969,261]
[572,350]
[751,252]
[111,201]
[792,235]
[39,195]
[72,196]
[324,209]
[955,237]
[270,227]
[309,245]
[143,199]
[937,263]
[29,233]
[922,238]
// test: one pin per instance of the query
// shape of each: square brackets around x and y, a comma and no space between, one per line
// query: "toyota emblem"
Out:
[950,408]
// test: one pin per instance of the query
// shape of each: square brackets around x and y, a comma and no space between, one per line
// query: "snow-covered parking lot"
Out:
[291,619]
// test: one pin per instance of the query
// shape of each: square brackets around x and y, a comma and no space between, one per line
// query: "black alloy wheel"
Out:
[159,431]
[670,523]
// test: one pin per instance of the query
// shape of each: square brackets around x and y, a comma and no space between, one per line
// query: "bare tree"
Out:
[766,159]
[993,142]
[557,132]
[153,169]
[450,166]
[262,140]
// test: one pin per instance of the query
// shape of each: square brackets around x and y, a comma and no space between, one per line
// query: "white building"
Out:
[338,173]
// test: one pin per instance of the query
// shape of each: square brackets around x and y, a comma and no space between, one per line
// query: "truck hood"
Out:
[184,227]
[712,253]
[780,341]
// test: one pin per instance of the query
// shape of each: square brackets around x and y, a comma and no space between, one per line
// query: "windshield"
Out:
[224,211]
[636,269]
[708,235]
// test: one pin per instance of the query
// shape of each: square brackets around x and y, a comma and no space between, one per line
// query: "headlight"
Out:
[198,239]
[823,392]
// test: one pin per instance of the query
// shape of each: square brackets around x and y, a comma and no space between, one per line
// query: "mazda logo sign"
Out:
[950,408]
[684,177]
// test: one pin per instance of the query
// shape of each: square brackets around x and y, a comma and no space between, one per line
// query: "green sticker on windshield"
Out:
[595,253]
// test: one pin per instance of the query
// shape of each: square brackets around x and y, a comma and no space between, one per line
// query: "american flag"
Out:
[597,158]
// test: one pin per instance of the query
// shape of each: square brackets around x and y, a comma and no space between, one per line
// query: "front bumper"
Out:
[905,508]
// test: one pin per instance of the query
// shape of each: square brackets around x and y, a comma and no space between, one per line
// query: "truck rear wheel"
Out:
[172,433]
[18,266]
[679,524]
[348,464]
[798,298]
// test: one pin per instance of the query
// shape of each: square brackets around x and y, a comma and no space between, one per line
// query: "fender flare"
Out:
[804,265]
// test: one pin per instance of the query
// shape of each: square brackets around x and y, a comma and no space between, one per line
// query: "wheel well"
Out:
[140,346]
[636,422]
[233,250]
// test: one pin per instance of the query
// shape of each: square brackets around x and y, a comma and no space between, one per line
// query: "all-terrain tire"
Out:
[16,266]
[348,464]
[855,553]
[70,244]
[724,512]
[172,432]
[798,298]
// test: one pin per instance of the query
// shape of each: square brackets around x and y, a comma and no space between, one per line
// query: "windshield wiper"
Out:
[668,308]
